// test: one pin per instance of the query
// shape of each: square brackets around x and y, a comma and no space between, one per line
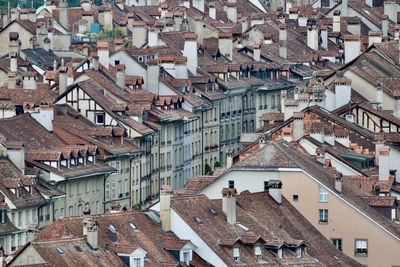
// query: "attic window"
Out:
[244,228]
[198,220]
[140,59]
[100,118]
[133,226]
[236,254]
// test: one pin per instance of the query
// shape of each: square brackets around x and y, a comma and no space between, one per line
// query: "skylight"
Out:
[133,226]
[60,250]
[213,212]
[112,228]
[244,228]
[197,219]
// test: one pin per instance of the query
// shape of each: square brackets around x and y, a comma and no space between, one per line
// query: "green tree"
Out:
[207,169]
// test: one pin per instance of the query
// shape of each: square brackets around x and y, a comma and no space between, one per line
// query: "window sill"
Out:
[322,222]
[360,255]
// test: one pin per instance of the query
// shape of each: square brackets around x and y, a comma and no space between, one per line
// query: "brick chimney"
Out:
[153,75]
[342,90]
[190,51]
[282,41]
[225,44]
[229,204]
[165,207]
[103,53]
[120,75]
[139,34]
[384,152]
[336,21]
[212,10]
[352,47]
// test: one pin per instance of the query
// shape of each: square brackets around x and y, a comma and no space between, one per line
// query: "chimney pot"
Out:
[229,204]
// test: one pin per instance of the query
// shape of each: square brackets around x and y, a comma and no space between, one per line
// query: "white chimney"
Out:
[92,236]
[63,13]
[190,52]
[86,5]
[245,24]
[17,157]
[153,75]
[212,10]
[152,37]
[139,34]
[225,44]
[163,7]
[229,158]
[342,90]
[257,52]
[293,13]
[231,12]
[374,37]
[275,190]
[342,136]
[14,44]
[181,70]
[62,79]
[186,3]
[229,204]
[379,141]
[199,29]
[385,25]
[289,5]
[103,53]
[396,111]
[312,33]
[336,21]
[324,37]
[390,8]
[379,95]
[12,80]
[120,75]
[344,7]
[282,41]
[199,5]
[369,3]
[384,152]
[352,47]
[338,182]
[165,207]
[29,80]
[298,125]
[13,62]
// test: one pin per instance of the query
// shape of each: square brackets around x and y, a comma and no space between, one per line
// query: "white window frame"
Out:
[323,194]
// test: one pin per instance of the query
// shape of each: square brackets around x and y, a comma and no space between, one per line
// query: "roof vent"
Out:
[60,250]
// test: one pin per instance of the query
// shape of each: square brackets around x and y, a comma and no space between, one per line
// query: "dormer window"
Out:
[100,118]
[72,162]
[236,254]
[63,163]
[80,160]
[90,159]
[299,252]
[280,253]
[257,250]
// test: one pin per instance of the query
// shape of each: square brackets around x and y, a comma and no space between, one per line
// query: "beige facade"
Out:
[24,35]
[345,221]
